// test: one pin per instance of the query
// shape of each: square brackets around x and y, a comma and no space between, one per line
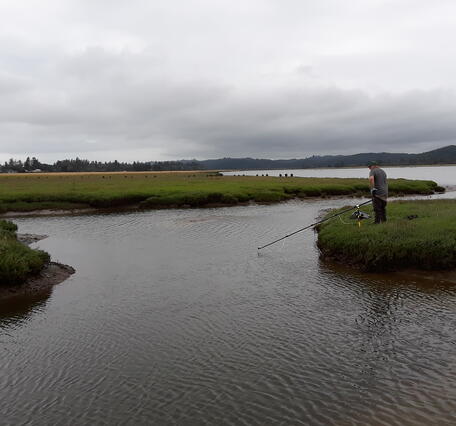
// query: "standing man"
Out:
[379,190]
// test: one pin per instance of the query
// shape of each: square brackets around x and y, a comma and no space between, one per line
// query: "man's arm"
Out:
[371,181]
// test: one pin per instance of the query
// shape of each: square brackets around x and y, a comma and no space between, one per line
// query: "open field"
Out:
[17,261]
[427,241]
[26,192]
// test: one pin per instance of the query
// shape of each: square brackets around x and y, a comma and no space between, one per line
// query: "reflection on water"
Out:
[402,330]
[18,309]
[384,312]
[173,318]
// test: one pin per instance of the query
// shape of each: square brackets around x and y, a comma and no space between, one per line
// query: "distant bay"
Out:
[443,175]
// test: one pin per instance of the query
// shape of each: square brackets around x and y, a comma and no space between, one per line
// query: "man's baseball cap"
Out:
[372,163]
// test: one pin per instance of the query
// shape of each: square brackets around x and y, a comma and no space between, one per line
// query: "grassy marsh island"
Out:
[24,270]
[427,241]
[17,261]
[57,191]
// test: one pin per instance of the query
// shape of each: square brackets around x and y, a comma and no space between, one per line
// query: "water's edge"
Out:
[52,274]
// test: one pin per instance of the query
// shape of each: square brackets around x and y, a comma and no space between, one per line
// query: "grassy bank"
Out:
[425,242]
[155,190]
[17,262]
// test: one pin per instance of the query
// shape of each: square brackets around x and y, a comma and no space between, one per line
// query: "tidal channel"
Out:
[173,318]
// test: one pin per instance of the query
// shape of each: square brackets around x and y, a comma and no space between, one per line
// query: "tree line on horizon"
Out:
[31,165]
[445,155]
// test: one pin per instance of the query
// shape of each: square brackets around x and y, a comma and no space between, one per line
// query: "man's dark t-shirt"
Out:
[380,183]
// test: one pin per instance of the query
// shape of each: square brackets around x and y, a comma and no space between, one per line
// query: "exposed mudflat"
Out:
[52,274]
[47,212]
[28,239]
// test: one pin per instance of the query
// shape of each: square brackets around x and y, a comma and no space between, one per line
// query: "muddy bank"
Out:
[53,273]
[28,239]
[48,212]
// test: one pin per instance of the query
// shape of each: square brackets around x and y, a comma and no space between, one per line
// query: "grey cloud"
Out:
[98,104]
[207,79]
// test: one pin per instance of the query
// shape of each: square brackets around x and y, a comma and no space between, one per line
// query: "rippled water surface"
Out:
[173,318]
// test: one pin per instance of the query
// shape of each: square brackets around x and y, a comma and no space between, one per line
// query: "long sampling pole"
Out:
[314,224]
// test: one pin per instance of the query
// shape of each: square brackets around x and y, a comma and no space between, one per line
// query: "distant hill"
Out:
[445,155]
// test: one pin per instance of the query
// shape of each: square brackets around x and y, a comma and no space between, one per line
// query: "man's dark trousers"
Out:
[379,209]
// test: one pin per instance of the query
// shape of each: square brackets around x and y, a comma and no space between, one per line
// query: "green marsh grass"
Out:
[154,190]
[17,261]
[426,242]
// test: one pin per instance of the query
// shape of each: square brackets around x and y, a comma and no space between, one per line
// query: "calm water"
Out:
[174,319]
[444,175]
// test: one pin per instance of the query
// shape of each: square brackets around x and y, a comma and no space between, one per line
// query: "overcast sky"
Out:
[167,79]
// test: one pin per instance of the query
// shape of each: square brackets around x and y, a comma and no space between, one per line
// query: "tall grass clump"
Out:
[7,227]
[418,234]
[17,261]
